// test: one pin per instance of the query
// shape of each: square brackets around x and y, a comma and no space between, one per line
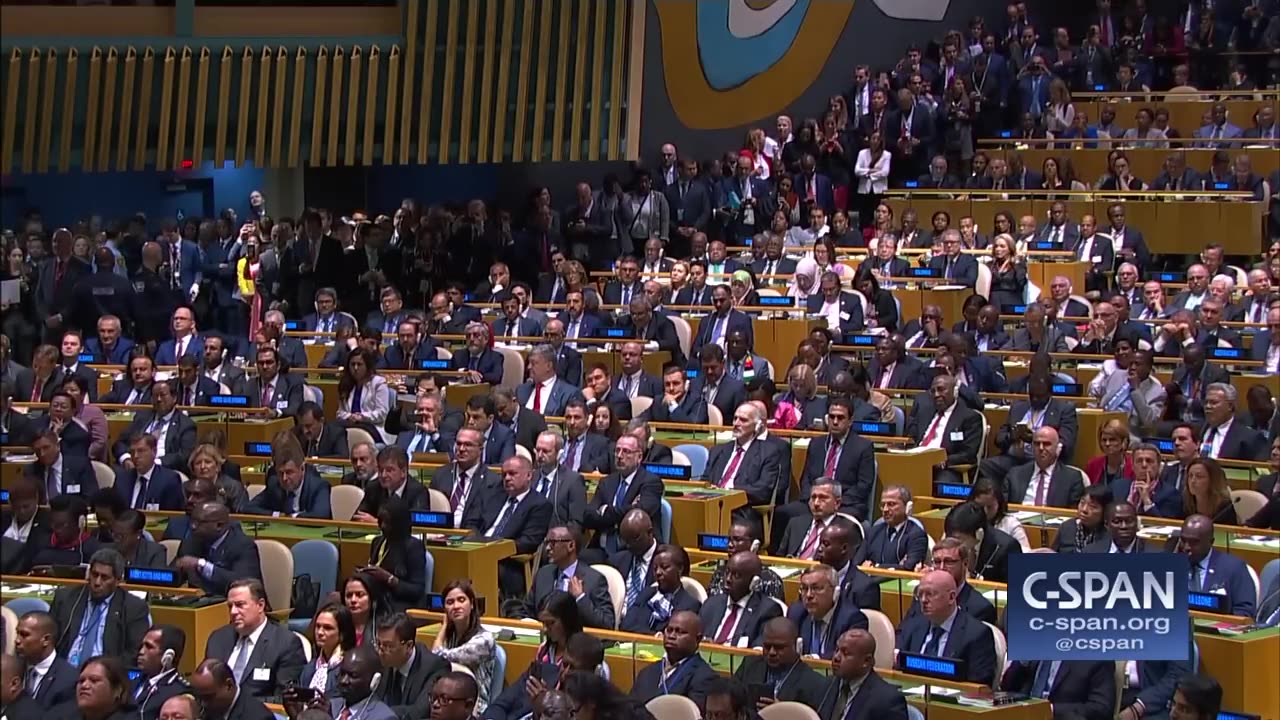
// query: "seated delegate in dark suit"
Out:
[677,404]
[895,541]
[1213,571]
[755,466]
[780,669]
[737,616]
[943,630]
[1076,688]
[714,329]
[562,569]
[294,489]
[954,266]
[275,658]
[273,389]
[682,670]
[515,512]
[992,562]
[714,386]
[628,486]
[144,484]
[57,473]
[486,363]
[1045,481]
[819,615]
[216,553]
[875,698]
[73,438]
[397,559]
[584,451]
[317,437]
[58,685]
[939,421]
[99,618]
[415,668]
[653,607]
[846,306]
[175,432]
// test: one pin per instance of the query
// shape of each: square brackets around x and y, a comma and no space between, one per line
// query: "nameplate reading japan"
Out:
[1098,607]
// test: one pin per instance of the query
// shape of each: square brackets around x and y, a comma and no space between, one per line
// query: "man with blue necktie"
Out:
[99,618]
[682,670]
[628,486]
[1213,571]
[564,572]
[426,436]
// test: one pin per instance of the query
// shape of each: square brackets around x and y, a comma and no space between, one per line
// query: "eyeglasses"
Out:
[442,699]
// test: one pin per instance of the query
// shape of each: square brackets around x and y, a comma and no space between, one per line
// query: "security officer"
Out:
[104,293]
[155,299]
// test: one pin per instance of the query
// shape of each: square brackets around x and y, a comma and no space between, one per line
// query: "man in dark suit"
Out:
[891,368]
[265,657]
[294,489]
[633,381]
[215,686]
[36,640]
[159,653]
[564,571]
[1122,531]
[409,668]
[713,386]
[525,425]
[409,349]
[1213,571]
[175,433]
[947,424]
[819,615]
[515,513]
[629,485]
[714,329]
[478,363]
[277,391]
[690,202]
[1015,436]
[696,292]
[544,391]
[216,368]
[842,454]
[583,451]
[598,389]
[779,669]
[99,618]
[1224,436]
[57,473]
[749,463]
[56,279]
[1076,688]
[853,666]
[682,670]
[737,616]
[216,553]
[70,366]
[390,478]
[653,329]
[191,387]
[144,484]
[744,203]
[1133,246]
[512,324]
[1045,482]
[677,404]
[553,480]
[110,347]
[38,383]
[951,555]
[626,286]
[802,534]
[317,437]
[497,441]
[14,699]
[849,307]
[938,177]
[588,227]
[73,438]
[955,266]
[466,479]
[896,540]
[942,630]
[813,187]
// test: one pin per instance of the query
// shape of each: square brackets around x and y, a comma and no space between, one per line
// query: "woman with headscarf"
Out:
[742,289]
[805,281]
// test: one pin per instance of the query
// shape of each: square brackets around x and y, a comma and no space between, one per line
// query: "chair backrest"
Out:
[1257,584]
[23,605]
[1270,573]
[306,645]
[788,710]
[9,619]
[277,572]
[253,490]
[684,332]
[694,588]
[1087,303]
[429,575]
[1002,649]
[512,367]
[344,499]
[983,286]
[914,713]
[318,559]
[899,421]
[617,590]
[499,671]
[103,473]
[438,501]
[640,404]
[679,458]
[171,549]
[664,521]
[697,455]
[1247,503]
[673,707]
[311,393]
[443,353]
[715,418]
[459,667]
[522,451]
[886,640]
[986,430]
[355,436]
[856,522]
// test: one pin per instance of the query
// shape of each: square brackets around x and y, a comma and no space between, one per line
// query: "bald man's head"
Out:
[636,531]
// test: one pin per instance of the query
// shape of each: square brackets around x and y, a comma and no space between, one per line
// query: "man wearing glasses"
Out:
[953,556]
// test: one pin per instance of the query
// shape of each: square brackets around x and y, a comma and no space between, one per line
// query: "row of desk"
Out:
[1186,115]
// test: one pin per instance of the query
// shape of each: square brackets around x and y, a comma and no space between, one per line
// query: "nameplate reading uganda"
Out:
[1098,607]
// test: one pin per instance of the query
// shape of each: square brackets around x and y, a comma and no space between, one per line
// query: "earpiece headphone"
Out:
[799,646]
[755,545]
[374,682]
[166,660]
[911,505]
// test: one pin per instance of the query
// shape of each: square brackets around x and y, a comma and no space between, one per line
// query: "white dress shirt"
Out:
[248,646]
[1038,477]
[729,614]
[546,393]
[940,434]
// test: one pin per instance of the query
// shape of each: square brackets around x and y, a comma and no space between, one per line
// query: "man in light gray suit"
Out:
[565,488]
[544,392]
[564,573]
[1135,392]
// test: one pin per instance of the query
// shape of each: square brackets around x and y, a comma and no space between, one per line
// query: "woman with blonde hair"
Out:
[206,463]
[1060,113]
[1114,464]
[1008,272]
[754,144]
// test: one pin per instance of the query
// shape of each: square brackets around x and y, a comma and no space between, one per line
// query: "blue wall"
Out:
[63,199]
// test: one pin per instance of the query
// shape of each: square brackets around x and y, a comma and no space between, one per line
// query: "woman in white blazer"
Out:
[364,398]
[872,167]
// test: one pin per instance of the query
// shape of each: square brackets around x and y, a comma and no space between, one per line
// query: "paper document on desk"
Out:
[786,572]
[933,690]
[1160,531]
[1023,515]
[1260,541]
[909,451]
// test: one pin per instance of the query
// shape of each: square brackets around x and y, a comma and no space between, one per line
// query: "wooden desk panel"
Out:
[1184,115]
